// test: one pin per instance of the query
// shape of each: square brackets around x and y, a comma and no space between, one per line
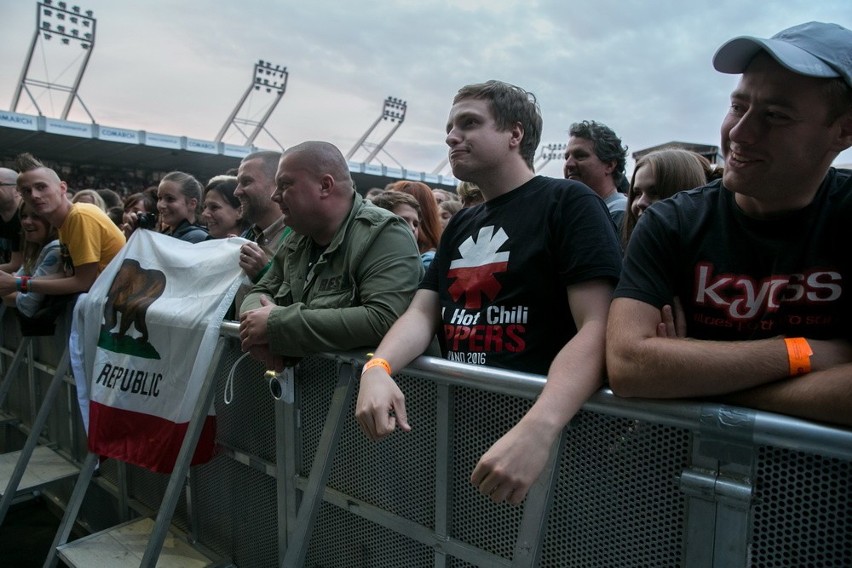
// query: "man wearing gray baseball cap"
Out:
[742,289]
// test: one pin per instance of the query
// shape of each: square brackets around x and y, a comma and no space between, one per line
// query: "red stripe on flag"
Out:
[144,440]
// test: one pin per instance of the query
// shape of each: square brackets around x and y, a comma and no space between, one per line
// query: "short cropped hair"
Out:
[608,146]
[269,159]
[510,105]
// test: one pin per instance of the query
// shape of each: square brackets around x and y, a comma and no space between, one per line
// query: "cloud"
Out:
[643,67]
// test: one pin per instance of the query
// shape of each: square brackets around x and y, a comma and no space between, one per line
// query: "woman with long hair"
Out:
[41,257]
[659,175]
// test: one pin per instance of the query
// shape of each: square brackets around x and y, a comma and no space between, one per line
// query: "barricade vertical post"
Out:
[179,473]
[123,499]
[285,460]
[719,487]
[537,509]
[443,468]
[321,467]
[13,369]
[35,433]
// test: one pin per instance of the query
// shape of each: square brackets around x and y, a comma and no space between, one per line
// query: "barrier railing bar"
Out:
[406,527]
[254,462]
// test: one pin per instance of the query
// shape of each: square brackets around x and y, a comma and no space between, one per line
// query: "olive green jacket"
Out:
[354,292]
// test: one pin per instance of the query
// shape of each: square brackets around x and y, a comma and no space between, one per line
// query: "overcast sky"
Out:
[642,67]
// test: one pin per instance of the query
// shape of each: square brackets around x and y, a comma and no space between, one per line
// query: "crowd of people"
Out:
[685,280]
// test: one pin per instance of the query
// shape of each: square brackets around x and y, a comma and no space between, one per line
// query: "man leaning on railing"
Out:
[740,288]
[523,282]
[341,278]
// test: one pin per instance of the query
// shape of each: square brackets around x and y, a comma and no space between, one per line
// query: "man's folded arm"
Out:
[641,364]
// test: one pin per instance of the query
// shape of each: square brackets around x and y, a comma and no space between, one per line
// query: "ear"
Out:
[844,136]
[517,135]
[326,185]
[610,167]
[63,187]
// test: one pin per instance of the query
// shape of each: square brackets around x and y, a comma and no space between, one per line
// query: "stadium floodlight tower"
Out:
[70,26]
[548,153]
[266,77]
[393,109]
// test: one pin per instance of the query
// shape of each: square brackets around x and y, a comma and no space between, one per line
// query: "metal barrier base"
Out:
[124,545]
[44,467]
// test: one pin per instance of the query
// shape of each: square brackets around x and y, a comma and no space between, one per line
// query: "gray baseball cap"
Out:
[814,49]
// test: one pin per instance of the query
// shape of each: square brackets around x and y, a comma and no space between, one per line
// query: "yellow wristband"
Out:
[377,362]
[799,355]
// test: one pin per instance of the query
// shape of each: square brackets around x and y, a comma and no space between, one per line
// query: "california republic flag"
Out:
[149,327]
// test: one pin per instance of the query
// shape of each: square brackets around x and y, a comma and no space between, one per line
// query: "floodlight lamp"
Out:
[89,13]
[60,16]
[260,62]
[48,2]
[47,36]
[66,41]
[75,32]
[63,5]
[60,29]
[88,36]
[48,13]
[73,19]
[268,90]
[86,23]
[84,45]
[45,25]
[76,9]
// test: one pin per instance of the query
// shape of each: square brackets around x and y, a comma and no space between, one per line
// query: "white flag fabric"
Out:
[148,330]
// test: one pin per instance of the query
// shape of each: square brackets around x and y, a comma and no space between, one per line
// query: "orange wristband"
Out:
[799,355]
[377,362]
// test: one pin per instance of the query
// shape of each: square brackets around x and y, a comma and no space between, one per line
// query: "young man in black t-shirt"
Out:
[759,261]
[522,282]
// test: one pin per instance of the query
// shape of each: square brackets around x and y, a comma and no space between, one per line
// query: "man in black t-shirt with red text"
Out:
[522,281]
[759,261]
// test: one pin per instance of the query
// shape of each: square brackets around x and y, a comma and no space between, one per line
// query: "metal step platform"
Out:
[44,467]
[125,544]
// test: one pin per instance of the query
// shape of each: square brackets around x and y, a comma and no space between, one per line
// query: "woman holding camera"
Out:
[178,198]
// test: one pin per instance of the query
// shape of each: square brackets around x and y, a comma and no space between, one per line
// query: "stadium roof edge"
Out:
[77,143]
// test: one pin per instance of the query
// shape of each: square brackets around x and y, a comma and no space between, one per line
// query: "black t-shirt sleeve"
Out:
[649,261]
[586,239]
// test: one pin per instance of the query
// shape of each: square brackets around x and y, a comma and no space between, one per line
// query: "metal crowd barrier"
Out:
[632,483]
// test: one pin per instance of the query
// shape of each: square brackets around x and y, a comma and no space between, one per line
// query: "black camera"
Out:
[146,220]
